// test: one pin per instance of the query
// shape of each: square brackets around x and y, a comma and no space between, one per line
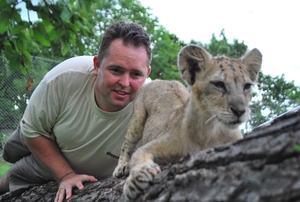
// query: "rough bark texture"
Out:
[265,166]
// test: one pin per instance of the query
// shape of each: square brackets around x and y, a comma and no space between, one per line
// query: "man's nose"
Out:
[125,80]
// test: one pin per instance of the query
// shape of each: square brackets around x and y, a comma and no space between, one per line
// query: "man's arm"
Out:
[48,152]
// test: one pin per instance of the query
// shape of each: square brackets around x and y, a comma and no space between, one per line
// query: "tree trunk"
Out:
[264,166]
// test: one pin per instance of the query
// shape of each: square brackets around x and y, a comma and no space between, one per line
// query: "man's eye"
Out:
[136,74]
[115,70]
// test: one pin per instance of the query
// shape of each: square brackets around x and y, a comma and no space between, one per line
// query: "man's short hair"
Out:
[131,33]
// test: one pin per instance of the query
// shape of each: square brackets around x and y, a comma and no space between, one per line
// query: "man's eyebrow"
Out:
[137,71]
[116,67]
[122,68]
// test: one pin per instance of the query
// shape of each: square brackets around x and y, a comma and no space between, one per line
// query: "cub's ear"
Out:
[191,61]
[252,61]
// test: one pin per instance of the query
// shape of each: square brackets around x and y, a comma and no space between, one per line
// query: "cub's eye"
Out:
[247,86]
[219,85]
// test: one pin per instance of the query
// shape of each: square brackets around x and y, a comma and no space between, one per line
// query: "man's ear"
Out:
[148,70]
[191,61]
[96,65]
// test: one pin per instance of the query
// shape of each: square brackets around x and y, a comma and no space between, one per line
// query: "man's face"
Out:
[119,76]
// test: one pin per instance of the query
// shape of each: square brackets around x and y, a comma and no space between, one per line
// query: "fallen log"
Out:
[264,166]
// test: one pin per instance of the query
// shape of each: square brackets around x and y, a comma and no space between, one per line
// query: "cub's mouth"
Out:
[235,122]
[230,123]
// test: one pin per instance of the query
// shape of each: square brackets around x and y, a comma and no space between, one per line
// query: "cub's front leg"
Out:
[133,136]
[141,174]
[143,169]
[122,168]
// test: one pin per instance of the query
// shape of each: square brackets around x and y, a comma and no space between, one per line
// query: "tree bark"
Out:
[264,166]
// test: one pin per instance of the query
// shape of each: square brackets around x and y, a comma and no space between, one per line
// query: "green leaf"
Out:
[80,45]
[73,27]
[86,5]
[59,33]
[72,1]
[64,47]
[26,55]
[35,46]
[52,35]
[3,5]
[23,70]
[66,14]
[19,27]
[14,62]
[41,35]
[297,147]
[4,22]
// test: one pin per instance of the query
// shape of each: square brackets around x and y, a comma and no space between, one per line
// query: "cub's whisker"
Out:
[210,119]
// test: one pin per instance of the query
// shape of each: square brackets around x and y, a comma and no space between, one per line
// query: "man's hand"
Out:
[69,181]
[48,152]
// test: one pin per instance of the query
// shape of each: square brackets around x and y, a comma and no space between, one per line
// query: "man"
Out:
[77,114]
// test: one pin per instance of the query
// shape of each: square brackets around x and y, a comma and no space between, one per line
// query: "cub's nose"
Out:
[238,112]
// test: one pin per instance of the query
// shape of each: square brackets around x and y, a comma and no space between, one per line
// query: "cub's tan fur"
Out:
[173,122]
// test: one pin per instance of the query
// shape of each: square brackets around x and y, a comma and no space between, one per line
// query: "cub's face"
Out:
[221,86]
[224,91]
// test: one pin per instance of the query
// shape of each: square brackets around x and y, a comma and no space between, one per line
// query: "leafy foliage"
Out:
[4,166]
[57,21]
[13,95]
[223,47]
[10,96]
[275,97]
[166,48]
[68,28]
[75,27]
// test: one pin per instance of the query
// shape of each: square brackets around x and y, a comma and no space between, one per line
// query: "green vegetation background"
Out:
[68,28]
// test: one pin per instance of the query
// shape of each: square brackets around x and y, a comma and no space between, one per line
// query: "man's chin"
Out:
[120,105]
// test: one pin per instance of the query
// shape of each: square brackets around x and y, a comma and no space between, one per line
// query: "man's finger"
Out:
[79,185]
[69,192]
[60,195]
[91,179]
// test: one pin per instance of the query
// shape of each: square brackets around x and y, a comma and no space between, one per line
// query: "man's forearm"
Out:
[48,152]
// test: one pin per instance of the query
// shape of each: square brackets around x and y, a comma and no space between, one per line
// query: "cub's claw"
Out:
[121,170]
[139,179]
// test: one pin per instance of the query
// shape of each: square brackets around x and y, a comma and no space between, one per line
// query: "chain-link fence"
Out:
[13,95]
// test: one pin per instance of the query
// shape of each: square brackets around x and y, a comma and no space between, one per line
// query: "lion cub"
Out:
[173,122]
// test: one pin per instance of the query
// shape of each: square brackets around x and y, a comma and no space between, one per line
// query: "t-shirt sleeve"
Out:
[52,95]
[42,110]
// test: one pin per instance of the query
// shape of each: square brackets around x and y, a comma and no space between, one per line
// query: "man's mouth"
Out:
[121,92]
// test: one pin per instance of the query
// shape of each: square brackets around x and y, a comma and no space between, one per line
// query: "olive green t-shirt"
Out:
[63,108]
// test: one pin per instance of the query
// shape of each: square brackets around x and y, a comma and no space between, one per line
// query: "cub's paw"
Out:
[121,170]
[139,179]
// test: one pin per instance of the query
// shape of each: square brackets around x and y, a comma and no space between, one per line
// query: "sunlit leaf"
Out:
[297,147]
[14,62]
[3,5]
[41,35]
[52,35]
[4,22]
[64,47]
[66,14]
[20,27]
[80,46]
